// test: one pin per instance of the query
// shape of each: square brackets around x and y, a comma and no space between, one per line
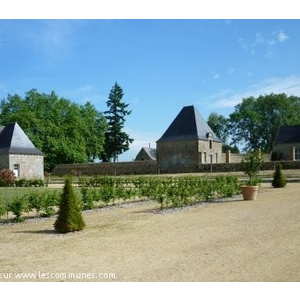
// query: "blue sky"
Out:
[162,65]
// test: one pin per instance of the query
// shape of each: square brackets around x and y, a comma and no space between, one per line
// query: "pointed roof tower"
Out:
[188,125]
[13,140]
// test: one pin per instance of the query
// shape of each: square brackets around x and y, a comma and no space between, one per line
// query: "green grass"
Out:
[13,192]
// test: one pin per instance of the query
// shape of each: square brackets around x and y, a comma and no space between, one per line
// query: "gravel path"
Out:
[223,241]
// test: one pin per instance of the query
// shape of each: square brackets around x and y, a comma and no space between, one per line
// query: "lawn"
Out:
[13,192]
[225,241]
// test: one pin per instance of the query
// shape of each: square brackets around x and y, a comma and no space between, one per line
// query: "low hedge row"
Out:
[167,191]
[105,190]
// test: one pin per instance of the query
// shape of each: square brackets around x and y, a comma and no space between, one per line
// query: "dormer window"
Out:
[209,135]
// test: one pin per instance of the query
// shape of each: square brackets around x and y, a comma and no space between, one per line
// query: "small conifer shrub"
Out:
[279,179]
[69,215]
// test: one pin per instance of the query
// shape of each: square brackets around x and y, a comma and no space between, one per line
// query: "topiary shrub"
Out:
[279,179]
[69,215]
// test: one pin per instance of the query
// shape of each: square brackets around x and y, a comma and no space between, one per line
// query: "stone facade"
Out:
[29,166]
[187,156]
[209,152]
[288,151]
[18,154]
[24,166]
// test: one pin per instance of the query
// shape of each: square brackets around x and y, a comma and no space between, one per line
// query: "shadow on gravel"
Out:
[46,231]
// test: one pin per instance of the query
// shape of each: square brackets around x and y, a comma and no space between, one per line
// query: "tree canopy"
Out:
[255,121]
[116,140]
[64,131]
[220,126]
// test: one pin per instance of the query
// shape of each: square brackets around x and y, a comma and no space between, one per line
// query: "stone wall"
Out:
[235,158]
[150,167]
[120,168]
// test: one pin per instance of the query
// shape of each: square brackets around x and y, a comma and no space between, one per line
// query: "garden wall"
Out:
[150,167]
[120,168]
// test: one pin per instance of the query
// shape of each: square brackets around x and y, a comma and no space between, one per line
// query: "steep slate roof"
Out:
[13,140]
[188,125]
[151,152]
[288,134]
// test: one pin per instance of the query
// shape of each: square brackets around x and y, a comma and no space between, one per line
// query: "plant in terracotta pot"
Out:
[251,165]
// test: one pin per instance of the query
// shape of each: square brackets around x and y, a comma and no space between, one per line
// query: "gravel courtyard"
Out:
[226,241]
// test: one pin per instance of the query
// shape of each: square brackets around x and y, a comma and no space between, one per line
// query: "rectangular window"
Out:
[17,170]
[297,154]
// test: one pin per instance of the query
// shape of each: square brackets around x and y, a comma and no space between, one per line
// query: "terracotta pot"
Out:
[250,192]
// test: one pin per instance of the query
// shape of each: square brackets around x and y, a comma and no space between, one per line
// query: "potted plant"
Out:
[251,165]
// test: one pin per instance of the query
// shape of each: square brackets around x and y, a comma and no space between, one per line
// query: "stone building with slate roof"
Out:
[146,154]
[18,153]
[188,143]
[287,142]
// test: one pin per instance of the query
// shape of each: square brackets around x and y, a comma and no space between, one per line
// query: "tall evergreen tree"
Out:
[116,140]
[69,215]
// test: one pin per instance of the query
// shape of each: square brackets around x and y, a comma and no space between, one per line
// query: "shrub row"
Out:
[167,191]
[24,183]
[42,203]
[104,190]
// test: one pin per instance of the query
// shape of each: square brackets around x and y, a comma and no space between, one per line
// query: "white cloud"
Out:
[288,85]
[271,42]
[264,44]
[259,39]
[86,88]
[281,36]
[52,40]
[216,76]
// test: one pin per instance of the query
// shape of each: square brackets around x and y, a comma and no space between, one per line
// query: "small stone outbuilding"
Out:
[287,143]
[188,143]
[18,153]
[146,154]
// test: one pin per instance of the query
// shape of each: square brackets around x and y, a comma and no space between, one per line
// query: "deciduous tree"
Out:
[220,126]
[255,121]
[64,131]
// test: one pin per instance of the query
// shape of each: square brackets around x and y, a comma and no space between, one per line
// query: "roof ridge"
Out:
[188,124]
